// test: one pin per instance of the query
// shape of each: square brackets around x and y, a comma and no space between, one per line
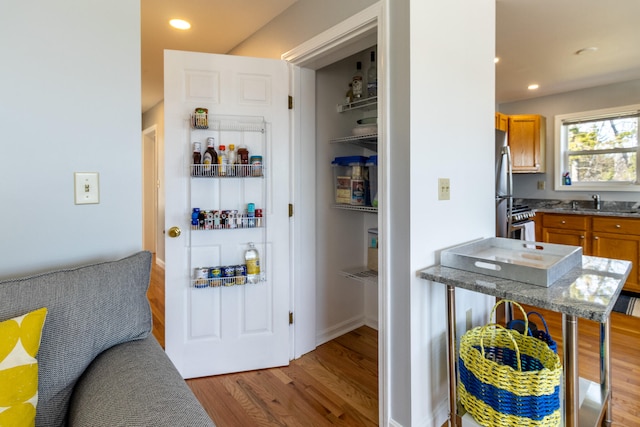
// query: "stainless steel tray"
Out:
[536,263]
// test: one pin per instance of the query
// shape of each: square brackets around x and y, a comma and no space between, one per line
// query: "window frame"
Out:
[560,144]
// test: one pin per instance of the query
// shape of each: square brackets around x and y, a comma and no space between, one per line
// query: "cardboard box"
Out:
[372,259]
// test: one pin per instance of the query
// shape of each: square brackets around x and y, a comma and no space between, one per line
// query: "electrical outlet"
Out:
[86,188]
[542,185]
[444,189]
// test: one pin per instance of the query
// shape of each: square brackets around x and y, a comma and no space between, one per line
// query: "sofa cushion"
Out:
[90,309]
[19,343]
[142,391]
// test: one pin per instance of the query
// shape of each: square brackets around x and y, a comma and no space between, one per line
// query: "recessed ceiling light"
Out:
[533,86]
[496,60]
[586,50]
[180,24]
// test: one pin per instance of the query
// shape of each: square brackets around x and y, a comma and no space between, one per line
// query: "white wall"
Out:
[613,95]
[70,101]
[451,136]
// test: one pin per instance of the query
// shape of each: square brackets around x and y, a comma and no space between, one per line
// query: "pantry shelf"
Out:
[361,274]
[366,104]
[369,141]
[370,209]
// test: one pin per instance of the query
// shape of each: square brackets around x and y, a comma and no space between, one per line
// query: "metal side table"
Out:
[589,291]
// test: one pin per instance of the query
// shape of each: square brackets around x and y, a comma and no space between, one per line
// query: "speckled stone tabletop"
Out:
[588,291]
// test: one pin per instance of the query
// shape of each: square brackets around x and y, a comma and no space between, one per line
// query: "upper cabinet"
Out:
[502,122]
[526,134]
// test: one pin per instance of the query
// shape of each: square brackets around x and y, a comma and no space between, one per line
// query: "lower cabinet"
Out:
[607,237]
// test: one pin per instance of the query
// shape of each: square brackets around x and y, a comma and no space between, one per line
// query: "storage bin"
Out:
[372,169]
[347,190]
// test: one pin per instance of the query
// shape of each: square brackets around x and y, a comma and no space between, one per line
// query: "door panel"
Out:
[223,329]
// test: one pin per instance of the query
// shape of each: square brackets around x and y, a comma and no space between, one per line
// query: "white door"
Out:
[214,330]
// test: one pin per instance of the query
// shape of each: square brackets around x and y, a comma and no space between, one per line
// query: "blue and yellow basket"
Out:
[509,379]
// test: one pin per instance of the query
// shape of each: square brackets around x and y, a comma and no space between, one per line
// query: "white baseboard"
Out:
[371,322]
[339,329]
[159,262]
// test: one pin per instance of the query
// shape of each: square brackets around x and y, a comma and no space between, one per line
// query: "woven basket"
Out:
[508,379]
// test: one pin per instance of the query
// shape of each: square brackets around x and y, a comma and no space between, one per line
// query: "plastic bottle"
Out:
[210,158]
[242,159]
[231,158]
[252,259]
[223,161]
[197,159]
[372,77]
[356,82]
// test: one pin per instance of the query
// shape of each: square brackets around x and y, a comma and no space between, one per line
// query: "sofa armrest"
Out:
[134,384]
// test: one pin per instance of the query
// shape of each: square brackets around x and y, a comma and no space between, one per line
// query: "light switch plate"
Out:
[444,189]
[87,190]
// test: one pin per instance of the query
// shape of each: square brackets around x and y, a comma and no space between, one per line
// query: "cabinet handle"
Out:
[582,237]
[563,222]
[595,238]
[618,226]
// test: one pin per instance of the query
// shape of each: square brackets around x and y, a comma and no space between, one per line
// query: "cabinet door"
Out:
[502,122]
[566,237]
[620,246]
[527,143]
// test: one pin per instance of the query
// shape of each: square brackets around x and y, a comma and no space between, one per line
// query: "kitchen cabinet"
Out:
[502,122]
[607,237]
[566,230]
[619,238]
[527,140]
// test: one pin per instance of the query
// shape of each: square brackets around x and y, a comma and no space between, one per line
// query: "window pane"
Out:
[603,135]
[603,167]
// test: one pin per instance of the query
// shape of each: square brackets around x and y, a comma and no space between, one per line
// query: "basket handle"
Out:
[515,345]
[546,328]
[504,301]
[518,322]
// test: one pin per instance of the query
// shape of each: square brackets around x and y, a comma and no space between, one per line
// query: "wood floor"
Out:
[336,384]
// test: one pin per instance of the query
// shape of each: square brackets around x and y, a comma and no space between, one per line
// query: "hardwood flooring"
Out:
[336,384]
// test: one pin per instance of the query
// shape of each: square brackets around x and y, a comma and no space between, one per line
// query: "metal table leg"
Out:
[571,378]
[605,369]
[452,355]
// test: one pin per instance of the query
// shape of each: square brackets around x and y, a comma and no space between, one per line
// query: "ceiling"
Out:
[536,40]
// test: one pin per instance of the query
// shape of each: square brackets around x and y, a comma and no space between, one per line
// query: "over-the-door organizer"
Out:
[227,200]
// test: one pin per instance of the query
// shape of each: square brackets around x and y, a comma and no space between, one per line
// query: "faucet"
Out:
[596,201]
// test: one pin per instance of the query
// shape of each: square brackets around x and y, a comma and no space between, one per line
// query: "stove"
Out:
[521,213]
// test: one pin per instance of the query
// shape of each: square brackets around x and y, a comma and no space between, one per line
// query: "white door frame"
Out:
[359,32]
[150,210]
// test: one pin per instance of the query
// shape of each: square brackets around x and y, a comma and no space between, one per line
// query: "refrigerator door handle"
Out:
[507,152]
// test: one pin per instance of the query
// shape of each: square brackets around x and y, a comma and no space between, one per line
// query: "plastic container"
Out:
[343,172]
[372,169]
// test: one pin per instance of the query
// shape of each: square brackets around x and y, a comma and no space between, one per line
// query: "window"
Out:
[598,150]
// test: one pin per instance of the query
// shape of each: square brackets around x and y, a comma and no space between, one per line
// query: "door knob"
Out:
[174,231]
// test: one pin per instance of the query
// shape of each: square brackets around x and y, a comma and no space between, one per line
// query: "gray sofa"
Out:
[99,365]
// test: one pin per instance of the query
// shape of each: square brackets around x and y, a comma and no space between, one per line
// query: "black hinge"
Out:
[290,102]
[291,317]
[290,210]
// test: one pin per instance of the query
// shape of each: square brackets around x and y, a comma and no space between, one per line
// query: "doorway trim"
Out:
[149,149]
[349,37]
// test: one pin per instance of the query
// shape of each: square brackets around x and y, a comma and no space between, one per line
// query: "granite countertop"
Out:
[583,207]
[588,291]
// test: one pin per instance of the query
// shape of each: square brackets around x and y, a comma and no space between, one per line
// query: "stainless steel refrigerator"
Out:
[504,186]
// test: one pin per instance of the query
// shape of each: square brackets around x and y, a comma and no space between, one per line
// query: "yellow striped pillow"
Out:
[19,344]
